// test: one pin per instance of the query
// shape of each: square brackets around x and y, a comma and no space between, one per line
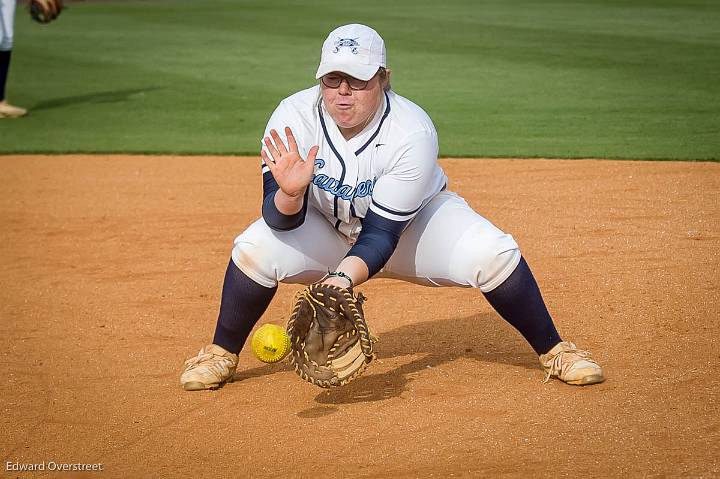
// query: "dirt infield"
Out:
[111,274]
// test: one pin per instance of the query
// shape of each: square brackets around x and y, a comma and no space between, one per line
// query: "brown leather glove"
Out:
[329,339]
[45,11]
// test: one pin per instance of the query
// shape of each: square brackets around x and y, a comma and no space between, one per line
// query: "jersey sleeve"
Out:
[286,116]
[409,181]
[279,119]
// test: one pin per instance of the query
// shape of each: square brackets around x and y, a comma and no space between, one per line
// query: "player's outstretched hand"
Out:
[292,173]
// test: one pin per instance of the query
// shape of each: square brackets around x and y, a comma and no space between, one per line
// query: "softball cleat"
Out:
[210,369]
[571,365]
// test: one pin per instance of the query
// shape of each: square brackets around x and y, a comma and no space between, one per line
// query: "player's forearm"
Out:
[273,217]
[288,205]
[352,266]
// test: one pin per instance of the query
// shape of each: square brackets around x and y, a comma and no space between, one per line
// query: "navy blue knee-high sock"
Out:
[243,303]
[4,67]
[519,302]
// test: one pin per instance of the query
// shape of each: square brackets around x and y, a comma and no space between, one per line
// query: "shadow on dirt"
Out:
[477,337]
[482,337]
[261,371]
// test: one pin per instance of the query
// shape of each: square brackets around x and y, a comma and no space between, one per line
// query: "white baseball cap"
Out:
[355,49]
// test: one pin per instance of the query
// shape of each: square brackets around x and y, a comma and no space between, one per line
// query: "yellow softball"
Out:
[270,343]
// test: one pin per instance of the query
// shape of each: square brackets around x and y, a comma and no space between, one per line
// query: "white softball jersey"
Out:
[391,169]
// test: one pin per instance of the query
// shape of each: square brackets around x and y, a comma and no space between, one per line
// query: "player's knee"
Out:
[492,263]
[497,269]
[255,262]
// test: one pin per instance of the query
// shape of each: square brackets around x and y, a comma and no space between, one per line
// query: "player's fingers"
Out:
[279,143]
[292,144]
[310,161]
[271,148]
[268,161]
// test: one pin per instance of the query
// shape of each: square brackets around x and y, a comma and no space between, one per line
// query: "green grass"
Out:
[585,78]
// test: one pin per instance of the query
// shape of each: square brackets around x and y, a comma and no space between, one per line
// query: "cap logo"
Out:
[350,43]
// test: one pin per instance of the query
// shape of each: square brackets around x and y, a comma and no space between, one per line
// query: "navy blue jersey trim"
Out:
[342,162]
[377,131]
[337,224]
[397,213]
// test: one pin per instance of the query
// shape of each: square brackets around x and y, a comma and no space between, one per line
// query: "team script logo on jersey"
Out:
[350,43]
[344,191]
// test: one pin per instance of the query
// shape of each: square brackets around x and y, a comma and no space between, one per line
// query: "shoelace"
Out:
[217,366]
[201,357]
[559,365]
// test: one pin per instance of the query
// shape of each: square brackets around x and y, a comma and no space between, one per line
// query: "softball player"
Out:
[7,17]
[352,186]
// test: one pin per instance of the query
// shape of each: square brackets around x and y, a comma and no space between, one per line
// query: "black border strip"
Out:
[377,131]
[340,158]
[397,213]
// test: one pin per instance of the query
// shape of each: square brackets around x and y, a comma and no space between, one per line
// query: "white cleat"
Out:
[9,111]
[571,365]
[210,369]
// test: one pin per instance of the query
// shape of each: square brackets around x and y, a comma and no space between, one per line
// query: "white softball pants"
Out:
[7,18]
[446,244]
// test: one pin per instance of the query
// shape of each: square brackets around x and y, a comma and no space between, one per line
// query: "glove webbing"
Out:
[360,326]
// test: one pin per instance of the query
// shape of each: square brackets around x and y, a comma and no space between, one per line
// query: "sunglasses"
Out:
[334,80]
